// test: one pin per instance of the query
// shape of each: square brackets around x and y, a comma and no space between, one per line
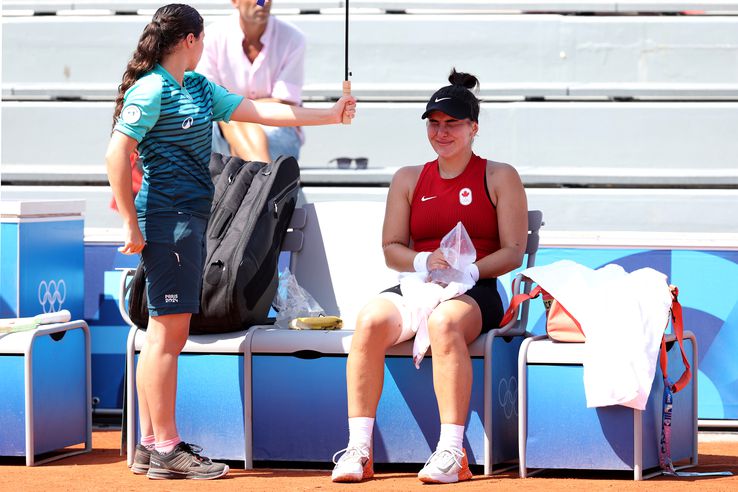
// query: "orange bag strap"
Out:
[516,301]
[677,322]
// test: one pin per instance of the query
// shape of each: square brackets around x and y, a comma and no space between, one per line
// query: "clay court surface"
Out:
[105,469]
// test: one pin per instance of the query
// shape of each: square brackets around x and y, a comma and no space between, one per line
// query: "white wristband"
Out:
[420,263]
[474,271]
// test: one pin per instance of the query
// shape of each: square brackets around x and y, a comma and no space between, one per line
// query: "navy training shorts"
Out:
[173,260]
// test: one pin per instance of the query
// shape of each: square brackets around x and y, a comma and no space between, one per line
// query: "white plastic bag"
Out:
[292,301]
[459,252]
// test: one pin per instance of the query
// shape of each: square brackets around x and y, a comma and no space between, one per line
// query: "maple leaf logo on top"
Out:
[465,196]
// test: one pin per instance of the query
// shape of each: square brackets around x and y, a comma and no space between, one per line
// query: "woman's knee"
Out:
[375,328]
[168,333]
[445,332]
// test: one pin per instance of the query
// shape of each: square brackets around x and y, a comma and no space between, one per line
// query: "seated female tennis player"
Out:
[424,203]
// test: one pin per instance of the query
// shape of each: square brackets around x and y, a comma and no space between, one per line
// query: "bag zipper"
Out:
[231,179]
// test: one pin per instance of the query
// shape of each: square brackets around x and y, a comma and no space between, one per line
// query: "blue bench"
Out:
[269,380]
[46,393]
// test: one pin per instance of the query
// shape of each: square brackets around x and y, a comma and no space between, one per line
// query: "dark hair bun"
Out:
[463,79]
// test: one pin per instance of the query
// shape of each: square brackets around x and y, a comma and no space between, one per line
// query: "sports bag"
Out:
[252,207]
[560,325]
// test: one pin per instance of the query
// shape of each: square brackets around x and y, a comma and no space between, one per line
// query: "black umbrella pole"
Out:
[346,81]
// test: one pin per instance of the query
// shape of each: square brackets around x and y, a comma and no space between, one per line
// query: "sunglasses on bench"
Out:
[345,162]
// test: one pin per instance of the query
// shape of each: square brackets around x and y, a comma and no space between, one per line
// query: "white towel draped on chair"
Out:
[623,316]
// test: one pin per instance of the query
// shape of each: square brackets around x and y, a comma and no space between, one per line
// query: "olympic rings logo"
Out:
[507,393]
[51,295]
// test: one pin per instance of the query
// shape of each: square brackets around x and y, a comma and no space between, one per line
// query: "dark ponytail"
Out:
[465,87]
[466,80]
[170,24]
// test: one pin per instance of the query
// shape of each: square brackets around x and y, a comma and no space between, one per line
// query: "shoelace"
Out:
[194,450]
[352,451]
[455,455]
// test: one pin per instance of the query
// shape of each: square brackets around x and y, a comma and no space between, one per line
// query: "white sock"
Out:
[360,432]
[452,436]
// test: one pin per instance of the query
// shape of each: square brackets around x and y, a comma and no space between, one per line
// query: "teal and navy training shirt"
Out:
[173,127]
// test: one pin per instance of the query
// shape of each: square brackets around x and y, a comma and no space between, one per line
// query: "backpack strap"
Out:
[678,325]
[516,301]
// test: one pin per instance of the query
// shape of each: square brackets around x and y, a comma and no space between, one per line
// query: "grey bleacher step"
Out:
[511,91]
[388,91]
[382,176]
[415,49]
[566,209]
[591,139]
[677,6]
[564,6]
[133,6]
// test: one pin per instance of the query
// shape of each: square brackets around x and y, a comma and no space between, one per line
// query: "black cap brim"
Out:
[448,105]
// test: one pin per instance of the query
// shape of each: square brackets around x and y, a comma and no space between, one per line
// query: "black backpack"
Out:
[252,207]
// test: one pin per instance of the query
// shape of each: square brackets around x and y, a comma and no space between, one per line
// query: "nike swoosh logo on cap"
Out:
[442,99]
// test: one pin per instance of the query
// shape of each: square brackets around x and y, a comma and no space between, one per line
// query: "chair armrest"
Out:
[125,288]
[517,326]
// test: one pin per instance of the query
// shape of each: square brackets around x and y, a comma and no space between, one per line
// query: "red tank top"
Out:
[438,204]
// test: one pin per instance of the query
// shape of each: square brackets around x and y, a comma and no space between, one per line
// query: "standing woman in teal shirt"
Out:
[165,111]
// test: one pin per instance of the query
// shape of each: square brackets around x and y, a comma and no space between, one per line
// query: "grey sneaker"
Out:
[141,460]
[183,462]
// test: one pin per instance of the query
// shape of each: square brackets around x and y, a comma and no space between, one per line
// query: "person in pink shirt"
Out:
[258,56]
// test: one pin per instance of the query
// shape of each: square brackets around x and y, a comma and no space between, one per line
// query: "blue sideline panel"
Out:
[300,409]
[108,333]
[59,395]
[564,433]
[12,407]
[108,359]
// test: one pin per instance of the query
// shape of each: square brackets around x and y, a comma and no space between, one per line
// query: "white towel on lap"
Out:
[623,317]
[421,297]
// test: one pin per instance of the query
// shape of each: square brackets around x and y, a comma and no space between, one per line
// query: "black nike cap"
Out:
[453,100]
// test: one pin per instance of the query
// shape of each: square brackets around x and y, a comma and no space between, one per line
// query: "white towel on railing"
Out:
[623,316]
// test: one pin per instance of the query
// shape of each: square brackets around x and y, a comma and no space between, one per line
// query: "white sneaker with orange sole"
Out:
[446,466]
[354,465]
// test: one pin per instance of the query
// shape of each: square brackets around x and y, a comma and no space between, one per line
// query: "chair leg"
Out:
[248,423]
[523,404]
[131,422]
[637,445]
[488,451]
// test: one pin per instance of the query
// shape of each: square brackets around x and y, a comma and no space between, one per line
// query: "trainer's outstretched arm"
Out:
[276,114]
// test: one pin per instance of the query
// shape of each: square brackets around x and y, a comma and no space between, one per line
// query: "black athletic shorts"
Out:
[487,298]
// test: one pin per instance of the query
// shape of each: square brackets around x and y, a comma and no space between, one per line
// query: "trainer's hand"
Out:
[134,241]
[345,107]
